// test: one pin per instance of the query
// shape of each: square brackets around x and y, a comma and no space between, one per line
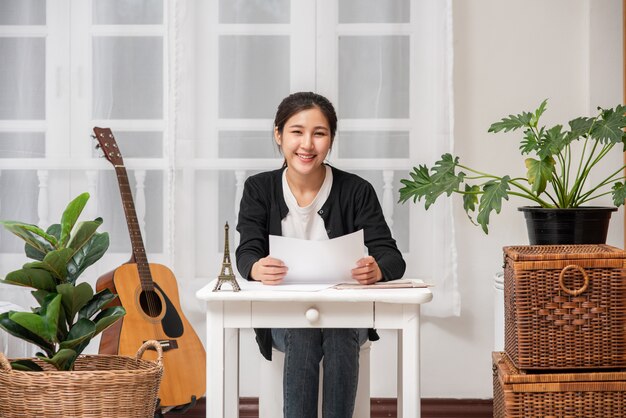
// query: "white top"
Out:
[303,222]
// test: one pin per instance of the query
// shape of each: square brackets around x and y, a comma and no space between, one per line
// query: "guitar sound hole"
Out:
[150,303]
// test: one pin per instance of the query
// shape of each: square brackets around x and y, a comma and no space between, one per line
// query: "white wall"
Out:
[509,56]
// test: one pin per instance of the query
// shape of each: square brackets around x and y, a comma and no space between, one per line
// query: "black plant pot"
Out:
[584,225]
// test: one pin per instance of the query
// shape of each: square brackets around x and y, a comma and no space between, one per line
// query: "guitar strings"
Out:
[151,297]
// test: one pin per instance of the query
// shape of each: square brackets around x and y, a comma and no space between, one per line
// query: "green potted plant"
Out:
[556,182]
[69,314]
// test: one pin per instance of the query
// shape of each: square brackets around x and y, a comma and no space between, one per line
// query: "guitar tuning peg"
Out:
[92,136]
[98,146]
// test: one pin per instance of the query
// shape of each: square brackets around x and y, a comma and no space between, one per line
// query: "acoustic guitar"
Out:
[149,293]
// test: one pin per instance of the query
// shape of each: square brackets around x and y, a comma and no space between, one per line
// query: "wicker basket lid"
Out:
[508,373]
[562,252]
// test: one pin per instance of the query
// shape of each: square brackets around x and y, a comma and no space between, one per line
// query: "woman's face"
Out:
[305,141]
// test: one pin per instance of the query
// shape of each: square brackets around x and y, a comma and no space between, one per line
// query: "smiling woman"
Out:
[308,199]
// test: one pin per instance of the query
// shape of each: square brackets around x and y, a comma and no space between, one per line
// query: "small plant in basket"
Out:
[69,315]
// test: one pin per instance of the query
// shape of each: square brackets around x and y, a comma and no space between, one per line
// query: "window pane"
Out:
[254,75]
[375,144]
[254,11]
[227,188]
[22,80]
[247,144]
[22,145]
[374,76]
[137,144]
[374,11]
[128,77]
[111,209]
[401,213]
[22,12]
[133,12]
[18,193]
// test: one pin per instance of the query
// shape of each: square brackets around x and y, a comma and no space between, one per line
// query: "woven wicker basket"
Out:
[579,395]
[102,386]
[565,306]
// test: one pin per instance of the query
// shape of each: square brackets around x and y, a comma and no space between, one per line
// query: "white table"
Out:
[257,307]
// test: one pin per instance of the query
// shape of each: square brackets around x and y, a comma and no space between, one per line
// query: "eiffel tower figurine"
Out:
[226,275]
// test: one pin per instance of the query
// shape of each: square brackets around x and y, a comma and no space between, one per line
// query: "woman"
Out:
[308,199]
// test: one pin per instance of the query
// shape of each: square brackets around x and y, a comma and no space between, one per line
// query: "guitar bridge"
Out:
[166,345]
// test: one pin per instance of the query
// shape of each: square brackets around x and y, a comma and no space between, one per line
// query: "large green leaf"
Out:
[83,232]
[55,262]
[74,298]
[31,277]
[25,365]
[40,295]
[418,186]
[82,331]
[70,216]
[580,127]
[619,193]
[44,324]
[62,325]
[552,142]
[31,252]
[442,180]
[530,142]
[538,112]
[88,254]
[55,231]
[32,234]
[493,193]
[470,198]
[443,175]
[513,122]
[63,360]
[610,126]
[108,317]
[22,333]
[539,173]
[98,301]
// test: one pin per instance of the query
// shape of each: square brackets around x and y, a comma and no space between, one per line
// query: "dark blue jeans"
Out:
[304,348]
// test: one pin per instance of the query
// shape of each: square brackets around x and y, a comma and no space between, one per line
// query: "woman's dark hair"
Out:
[300,101]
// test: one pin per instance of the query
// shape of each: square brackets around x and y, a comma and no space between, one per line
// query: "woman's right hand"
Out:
[269,271]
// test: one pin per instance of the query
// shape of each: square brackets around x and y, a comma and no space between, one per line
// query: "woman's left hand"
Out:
[367,271]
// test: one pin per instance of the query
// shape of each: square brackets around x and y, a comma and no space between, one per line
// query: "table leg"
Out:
[231,372]
[215,360]
[408,364]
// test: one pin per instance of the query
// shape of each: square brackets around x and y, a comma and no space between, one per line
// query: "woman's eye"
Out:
[296,132]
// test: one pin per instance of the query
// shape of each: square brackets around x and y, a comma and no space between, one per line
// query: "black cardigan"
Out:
[351,205]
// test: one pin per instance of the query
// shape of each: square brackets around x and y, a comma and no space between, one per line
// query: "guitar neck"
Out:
[139,251]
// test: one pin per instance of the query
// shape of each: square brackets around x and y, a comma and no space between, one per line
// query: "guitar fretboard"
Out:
[136,241]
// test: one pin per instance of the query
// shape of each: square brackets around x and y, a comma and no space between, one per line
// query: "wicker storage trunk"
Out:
[556,395]
[565,306]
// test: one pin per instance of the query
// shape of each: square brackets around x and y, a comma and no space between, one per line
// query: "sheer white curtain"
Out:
[22,98]
[66,66]
[387,67]
[190,89]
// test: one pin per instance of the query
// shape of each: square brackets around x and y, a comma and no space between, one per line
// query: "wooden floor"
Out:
[381,407]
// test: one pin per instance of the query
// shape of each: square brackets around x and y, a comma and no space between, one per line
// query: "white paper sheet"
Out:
[306,287]
[329,261]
